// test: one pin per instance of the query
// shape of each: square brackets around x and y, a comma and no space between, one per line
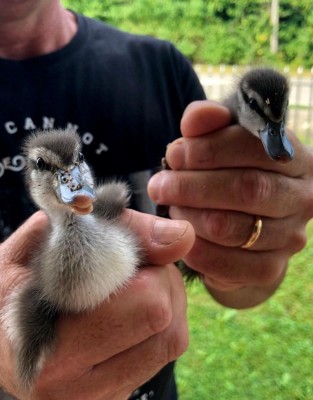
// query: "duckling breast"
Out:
[81,266]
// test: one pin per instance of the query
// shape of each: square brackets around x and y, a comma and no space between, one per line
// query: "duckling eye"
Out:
[81,157]
[41,165]
[253,104]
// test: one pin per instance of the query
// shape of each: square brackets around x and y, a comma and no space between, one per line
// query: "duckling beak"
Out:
[276,142]
[75,191]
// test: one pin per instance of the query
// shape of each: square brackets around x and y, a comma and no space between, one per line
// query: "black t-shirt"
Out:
[124,94]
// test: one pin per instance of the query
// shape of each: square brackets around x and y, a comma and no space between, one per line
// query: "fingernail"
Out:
[167,232]
[175,154]
[154,186]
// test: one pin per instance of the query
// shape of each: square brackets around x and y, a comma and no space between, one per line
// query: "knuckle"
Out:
[202,153]
[211,153]
[253,187]
[299,240]
[159,313]
[219,225]
[178,343]
[180,185]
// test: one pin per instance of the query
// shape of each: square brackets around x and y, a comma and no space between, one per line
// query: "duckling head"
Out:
[262,109]
[57,176]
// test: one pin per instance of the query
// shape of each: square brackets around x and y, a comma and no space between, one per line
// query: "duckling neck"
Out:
[62,216]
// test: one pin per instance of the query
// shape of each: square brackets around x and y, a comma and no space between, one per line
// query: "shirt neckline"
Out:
[48,61]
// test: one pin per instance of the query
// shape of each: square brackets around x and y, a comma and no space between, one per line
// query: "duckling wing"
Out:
[111,197]
[30,322]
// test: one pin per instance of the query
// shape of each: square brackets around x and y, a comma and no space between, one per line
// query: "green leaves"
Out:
[216,31]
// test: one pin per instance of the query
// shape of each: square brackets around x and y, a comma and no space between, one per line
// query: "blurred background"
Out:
[265,353]
[221,37]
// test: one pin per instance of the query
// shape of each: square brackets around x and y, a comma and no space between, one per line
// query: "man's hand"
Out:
[220,179]
[109,352]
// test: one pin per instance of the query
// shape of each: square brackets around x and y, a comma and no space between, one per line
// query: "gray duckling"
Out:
[260,105]
[85,256]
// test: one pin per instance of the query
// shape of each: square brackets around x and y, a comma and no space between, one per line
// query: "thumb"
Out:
[18,247]
[201,117]
[162,240]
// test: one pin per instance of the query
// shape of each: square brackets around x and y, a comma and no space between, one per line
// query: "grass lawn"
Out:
[261,354]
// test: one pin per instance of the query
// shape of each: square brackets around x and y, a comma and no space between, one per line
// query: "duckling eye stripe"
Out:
[257,108]
[34,165]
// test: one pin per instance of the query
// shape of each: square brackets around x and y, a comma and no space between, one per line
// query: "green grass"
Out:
[261,354]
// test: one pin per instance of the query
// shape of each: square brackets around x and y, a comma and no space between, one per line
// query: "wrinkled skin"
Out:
[143,325]
[220,178]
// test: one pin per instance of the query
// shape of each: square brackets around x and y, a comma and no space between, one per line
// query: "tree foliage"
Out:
[216,31]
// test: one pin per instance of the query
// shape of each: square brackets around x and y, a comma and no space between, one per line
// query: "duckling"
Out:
[260,104]
[85,256]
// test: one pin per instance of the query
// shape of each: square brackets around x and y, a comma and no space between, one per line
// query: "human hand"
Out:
[109,352]
[220,179]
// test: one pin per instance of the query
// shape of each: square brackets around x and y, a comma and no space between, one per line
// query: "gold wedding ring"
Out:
[256,232]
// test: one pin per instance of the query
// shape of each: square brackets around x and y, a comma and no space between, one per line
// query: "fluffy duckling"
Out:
[86,254]
[260,104]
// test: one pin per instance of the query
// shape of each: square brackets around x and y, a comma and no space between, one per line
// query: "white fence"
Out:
[219,81]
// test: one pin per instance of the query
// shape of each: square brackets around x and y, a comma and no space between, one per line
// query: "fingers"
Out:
[244,190]
[157,350]
[220,179]
[209,143]
[146,310]
[203,117]
[230,268]
[17,248]
[163,241]
[116,348]
[232,145]
[233,229]
[126,308]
